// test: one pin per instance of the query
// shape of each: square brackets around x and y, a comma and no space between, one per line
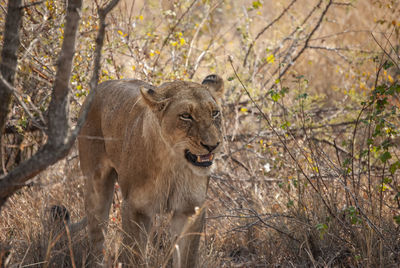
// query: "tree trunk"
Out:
[9,62]
[9,56]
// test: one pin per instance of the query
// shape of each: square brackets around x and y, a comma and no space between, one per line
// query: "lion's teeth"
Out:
[204,158]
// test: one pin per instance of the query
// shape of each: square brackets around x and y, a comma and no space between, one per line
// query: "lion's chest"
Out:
[187,193]
[172,191]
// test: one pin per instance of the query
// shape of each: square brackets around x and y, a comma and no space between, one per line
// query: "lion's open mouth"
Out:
[199,160]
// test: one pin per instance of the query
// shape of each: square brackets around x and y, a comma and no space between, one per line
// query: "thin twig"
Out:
[198,31]
[266,28]
[71,252]
[32,4]
[324,12]
[280,138]
[384,50]
[172,31]
[18,98]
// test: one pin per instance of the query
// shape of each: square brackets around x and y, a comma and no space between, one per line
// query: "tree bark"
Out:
[9,62]
[9,56]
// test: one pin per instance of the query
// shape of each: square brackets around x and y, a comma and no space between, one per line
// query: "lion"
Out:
[159,144]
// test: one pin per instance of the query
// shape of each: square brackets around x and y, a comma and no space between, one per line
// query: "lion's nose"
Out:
[210,148]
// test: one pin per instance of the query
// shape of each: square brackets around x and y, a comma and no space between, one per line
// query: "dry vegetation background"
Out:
[309,173]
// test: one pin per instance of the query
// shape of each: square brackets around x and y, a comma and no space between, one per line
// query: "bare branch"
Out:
[324,12]
[198,31]
[172,31]
[384,50]
[266,28]
[18,98]
[337,49]
[32,4]
[96,66]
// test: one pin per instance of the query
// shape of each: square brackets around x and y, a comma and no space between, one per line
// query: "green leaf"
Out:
[302,96]
[284,90]
[387,180]
[385,157]
[285,125]
[321,226]
[275,96]
[397,219]
[387,64]
[395,166]
[257,4]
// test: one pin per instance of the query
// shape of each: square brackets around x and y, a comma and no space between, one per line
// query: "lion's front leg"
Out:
[187,229]
[98,199]
[136,227]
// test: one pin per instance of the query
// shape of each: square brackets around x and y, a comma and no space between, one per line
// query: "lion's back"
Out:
[115,102]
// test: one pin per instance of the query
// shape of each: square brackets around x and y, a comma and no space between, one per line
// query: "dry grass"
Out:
[308,189]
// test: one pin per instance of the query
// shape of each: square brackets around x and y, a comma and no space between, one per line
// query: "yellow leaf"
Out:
[271,58]
[182,41]
[141,17]
[151,54]
[157,51]
[390,78]
[133,67]
[243,110]
[120,32]
[174,43]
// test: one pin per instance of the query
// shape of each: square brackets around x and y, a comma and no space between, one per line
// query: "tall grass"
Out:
[308,176]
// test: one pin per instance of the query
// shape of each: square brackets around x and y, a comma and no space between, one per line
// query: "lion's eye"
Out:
[215,114]
[186,117]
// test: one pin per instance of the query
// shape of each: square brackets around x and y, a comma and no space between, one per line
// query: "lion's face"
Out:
[190,119]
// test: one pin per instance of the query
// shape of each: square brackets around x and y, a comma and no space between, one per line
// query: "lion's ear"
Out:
[153,99]
[215,84]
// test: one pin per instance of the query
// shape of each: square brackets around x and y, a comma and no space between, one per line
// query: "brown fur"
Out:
[135,134]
